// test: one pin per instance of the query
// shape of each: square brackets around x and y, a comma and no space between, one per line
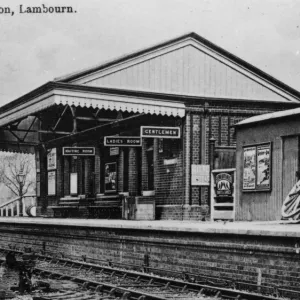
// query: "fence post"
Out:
[23,207]
[18,208]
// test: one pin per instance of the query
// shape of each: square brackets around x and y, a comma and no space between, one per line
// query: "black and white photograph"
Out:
[149,149]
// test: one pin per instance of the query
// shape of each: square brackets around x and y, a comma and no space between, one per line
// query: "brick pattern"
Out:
[145,164]
[121,171]
[67,175]
[168,179]
[97,170]
[133,172]
[235,257]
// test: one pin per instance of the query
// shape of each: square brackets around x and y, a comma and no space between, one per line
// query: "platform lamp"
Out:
[21,179]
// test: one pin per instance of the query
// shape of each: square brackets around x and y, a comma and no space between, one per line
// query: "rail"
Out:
[19,207]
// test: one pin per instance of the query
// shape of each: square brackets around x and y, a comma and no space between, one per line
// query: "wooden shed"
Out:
[267,162]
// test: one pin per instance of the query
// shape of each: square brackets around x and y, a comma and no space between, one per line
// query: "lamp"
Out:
[21,177]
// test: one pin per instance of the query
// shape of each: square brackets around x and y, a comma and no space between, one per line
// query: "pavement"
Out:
[271,228]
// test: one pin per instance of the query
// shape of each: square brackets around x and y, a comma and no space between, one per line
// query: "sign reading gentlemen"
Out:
[160,132]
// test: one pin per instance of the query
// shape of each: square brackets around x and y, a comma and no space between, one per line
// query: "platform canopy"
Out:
[60,109]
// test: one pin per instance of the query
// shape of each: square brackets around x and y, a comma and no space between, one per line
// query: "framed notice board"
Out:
[110,177]
[257,174]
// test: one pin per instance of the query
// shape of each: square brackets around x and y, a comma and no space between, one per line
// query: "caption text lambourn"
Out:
[42,9]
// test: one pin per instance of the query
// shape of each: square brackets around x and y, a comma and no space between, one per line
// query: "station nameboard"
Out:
[160,132]
[122,141]
[79,151]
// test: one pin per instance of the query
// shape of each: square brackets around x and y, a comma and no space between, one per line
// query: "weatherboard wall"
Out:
[284,137]
[185,70]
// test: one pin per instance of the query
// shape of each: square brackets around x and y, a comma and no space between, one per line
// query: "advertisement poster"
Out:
[51,159]
[249,174]
[73,183]
[224,182]
[263,166]
[51,183]
[111,177]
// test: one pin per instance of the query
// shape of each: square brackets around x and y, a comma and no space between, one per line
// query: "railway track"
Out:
[108,282]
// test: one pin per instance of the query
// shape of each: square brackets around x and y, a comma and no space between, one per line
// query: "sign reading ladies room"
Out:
[122,141]
[160,132]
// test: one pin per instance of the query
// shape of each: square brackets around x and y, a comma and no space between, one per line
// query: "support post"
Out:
[212,146]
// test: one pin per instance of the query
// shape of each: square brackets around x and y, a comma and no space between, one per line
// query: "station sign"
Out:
[160,132]
[122,141]
[79,151]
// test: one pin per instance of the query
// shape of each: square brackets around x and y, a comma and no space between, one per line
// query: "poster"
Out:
[224,184]
[73,185]
[200,175]
[51,183]
[111,177]
[249,164]
[263,166]
[51,159]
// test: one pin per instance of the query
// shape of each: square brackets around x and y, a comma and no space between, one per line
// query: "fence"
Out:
[19,207]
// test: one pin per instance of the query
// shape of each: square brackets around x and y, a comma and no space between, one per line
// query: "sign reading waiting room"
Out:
[79,151]
[160,132]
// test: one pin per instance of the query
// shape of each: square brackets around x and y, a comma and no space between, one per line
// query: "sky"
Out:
[36,48]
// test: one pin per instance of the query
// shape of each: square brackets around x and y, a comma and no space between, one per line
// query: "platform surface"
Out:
[273,228]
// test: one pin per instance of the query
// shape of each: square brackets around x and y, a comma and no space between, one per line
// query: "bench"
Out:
[67,207]
[106,207]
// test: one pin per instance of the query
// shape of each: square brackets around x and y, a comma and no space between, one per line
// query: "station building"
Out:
[148,127]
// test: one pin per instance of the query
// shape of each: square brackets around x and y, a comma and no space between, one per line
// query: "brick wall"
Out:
[133,172]
[271,260]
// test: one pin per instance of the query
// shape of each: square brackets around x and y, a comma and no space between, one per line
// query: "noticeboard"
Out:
[110,177]
[200,175]
[256,167]
[160,132]
[73,183]
[51,183]
[51,159]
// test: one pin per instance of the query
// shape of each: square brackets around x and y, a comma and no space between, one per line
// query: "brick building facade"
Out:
[188,83]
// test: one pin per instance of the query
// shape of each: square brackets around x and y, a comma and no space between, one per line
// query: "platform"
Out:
[271,228]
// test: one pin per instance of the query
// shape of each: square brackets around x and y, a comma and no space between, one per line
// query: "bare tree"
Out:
[17,172]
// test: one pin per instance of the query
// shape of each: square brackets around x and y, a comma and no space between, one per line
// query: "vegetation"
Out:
[17,174]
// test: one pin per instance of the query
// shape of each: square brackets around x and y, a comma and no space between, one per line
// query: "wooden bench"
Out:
[68,207]
[106,207]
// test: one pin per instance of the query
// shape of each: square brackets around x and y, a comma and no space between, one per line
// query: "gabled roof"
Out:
[212,47]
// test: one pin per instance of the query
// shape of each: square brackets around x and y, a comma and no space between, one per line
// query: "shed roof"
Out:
[270,117]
